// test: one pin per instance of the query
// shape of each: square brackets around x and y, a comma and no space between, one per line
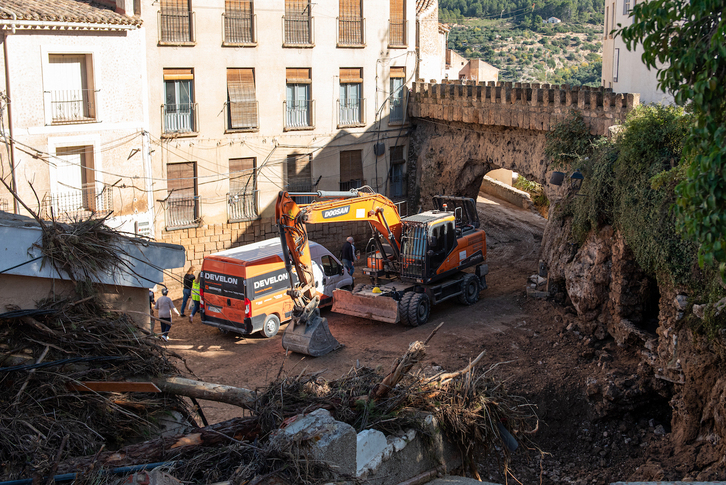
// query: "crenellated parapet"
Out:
[519,105]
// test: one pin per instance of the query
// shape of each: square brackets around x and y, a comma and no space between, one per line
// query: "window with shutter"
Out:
[182,205]
[298,22]
[241,99]
[179,106]
[398,174]
[239,22]
[298,102]
[351,102]
[242,177]
[351,169]
[298,174]
[396,96]
[72,96]
[175,21]
[397,24]
[350,23]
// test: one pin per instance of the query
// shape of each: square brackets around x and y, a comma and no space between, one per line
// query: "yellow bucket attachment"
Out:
[312,338]
[379,308]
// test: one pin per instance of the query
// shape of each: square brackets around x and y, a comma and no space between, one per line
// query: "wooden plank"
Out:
[111,386]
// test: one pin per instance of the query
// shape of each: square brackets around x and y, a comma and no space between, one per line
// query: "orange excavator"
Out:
[413,262]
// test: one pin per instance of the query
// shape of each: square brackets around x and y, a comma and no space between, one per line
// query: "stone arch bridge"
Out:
[462,131]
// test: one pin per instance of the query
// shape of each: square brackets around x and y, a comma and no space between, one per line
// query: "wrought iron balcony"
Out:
[242,206]
[351,112]
[72,105]
[176,27]
[397,30]
[179,118]
[78,204]
[351,31]
[298,30]
[299,115]
[239,28]
[397,113]
[183,212]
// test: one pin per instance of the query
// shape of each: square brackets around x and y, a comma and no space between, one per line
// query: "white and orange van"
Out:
[244,289]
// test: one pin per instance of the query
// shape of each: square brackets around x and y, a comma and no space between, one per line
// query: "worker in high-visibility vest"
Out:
[196,298]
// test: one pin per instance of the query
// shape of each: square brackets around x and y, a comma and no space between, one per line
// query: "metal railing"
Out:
[239,28]
[72,105]
[301,186]
[183,212]
[248,118]
[351,184]
[299,114]
[351,31]
[351,112]
[397,30]
[176,27]
[242,206]
[78,204]
[298,30]
[397,113]
[4,205]
[402,206]
[179,118]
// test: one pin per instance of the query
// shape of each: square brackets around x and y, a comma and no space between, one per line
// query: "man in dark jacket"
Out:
[348,255]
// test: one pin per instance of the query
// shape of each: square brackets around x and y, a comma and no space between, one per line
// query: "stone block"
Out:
[322,438]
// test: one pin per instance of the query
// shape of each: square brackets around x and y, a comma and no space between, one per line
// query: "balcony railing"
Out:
[176,27]
[4,205]
[351,112]
[78,204]
[179,118]
[398,108]
[298,30]
[299,114]
[351,31]
[301,186]
[182,212]
[397,33]
[239,28]
[351,184]
[242,116]
[242,206]
[72,105]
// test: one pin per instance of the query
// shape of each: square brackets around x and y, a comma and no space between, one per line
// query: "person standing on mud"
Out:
[196,298]
[187,291]
[348,255]
[165,307]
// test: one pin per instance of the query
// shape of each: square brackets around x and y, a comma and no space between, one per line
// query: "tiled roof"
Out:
[423,5]
[73,11]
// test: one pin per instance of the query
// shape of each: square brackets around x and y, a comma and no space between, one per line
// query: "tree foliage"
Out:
[685,41]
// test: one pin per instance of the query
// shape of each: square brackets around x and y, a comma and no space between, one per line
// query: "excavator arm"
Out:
[308,333]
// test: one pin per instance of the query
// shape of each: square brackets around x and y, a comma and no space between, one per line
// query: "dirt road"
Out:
[538,358]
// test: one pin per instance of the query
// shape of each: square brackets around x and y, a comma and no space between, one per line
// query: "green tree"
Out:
[685,41]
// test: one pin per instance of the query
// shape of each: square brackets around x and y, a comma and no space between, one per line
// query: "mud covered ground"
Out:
[600,422]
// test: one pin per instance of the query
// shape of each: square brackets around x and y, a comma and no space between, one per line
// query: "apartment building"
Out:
[623,70]
[252,97]
[74,111]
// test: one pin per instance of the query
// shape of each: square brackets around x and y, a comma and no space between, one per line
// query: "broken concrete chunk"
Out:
[371,444]
[323,438]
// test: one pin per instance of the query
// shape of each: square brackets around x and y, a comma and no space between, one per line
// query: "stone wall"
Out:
[519,105]
[211,238]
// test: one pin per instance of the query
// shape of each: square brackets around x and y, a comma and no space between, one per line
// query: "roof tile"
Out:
[74,11]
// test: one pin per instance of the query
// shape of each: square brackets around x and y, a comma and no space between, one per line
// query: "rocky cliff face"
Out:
[614,298]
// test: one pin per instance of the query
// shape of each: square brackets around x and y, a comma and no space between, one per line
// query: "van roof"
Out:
[258,250]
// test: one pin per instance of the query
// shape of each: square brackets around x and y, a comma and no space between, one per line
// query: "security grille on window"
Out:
[175,21]
[396,97]
[241,100]
[182,203]
[298,104]
[242,197]
[298,22]
[350,23]
[351,102]
[71,94]
[398,174]
[299,176]
[397,24]
[351,169]
[179,108]
[239,25]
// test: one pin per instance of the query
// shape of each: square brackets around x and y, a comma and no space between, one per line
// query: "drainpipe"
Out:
[13,182]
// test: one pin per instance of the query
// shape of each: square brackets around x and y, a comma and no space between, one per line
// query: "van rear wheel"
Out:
[271,326]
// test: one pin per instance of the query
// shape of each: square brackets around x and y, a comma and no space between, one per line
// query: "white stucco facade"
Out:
[624,70]
[204,63]
[78,112]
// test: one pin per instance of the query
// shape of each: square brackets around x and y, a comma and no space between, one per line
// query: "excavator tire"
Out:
[419,309]
[403,308]
[469,290]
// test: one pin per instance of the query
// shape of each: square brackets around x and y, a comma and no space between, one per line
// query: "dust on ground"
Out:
[537,358]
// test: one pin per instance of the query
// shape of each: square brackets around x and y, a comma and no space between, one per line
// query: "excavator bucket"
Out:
[312,338]
[379,308]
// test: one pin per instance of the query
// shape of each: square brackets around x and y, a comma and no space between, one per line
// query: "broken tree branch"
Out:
[415,352]
[444,378]
[181,386]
